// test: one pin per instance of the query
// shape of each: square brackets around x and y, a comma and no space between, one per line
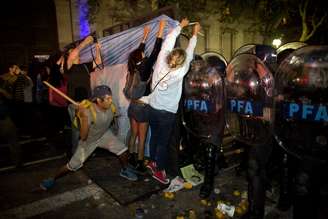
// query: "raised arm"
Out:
[98,59]
[146,33]
[144,38]
[158,43]
[75,53]
[192,43]
[162,25]
[169,42]
[157,48]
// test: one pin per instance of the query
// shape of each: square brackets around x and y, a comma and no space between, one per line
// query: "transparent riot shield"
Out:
[249,113]
[267,54]
[301,124]
[204,96]
[284,50]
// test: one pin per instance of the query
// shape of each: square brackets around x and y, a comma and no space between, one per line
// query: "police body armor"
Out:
[301,125]
[203,113]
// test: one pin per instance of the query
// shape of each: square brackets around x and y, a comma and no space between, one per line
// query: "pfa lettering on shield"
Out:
[198,105]
[245,107]
[309,112]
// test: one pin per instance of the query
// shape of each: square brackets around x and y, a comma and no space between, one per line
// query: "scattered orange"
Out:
[168,195]
[187,185]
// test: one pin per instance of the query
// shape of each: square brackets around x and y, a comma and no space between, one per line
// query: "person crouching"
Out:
[94,122]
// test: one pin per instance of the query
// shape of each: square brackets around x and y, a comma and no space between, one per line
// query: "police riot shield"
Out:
[267,54]
[301,126]
[287,48]
[217,60]
[250,87]
[291,45]
[204,96]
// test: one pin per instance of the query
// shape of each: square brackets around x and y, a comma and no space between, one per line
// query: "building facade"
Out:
[72,19]
[40,27]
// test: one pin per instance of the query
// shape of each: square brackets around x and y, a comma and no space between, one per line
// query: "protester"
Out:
[94,132]
[8,132]
[138,63]
[79,73]
[58,105]
[16,82]
[78,77]
[170,68]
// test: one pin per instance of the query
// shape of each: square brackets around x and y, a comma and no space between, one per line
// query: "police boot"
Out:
[253,212]
[284,202]
[304,203]
[256,191]
[207,186]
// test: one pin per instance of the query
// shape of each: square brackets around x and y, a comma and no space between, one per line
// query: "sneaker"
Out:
[128,174]
[152,167]
[161,177]
[47,184]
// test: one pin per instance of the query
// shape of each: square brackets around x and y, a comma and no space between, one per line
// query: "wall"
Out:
[28,28]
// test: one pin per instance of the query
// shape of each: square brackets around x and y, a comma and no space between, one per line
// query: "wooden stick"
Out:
[61,93]
[199,33]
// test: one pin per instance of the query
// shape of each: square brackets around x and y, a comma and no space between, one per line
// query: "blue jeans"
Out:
[161,123]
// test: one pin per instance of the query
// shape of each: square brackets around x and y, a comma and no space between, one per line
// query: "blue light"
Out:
[83,18]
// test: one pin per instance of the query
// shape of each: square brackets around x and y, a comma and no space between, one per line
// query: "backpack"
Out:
[134,88]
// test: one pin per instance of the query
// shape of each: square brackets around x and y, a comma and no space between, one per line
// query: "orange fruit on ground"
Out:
[187,185]
[219,215]
[239,211]
[169,195]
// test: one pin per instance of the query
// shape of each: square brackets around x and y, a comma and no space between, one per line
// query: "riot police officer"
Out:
[286,164]
[301,126]
[249,119]
[203,114]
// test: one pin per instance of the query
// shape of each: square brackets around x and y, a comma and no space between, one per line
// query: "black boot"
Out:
[305,205]
[285,201]
[256,191]
[207,187]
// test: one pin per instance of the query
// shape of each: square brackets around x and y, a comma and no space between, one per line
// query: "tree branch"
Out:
[321,21]
[300,9]
[315,27]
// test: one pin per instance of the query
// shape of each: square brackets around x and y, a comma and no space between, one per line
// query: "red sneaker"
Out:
[161,177]
[152,167]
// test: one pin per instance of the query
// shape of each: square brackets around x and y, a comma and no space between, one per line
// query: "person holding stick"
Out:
[94,123]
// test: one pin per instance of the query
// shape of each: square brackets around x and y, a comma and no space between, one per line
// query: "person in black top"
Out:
[138,63]
[78,73]
[78,78]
